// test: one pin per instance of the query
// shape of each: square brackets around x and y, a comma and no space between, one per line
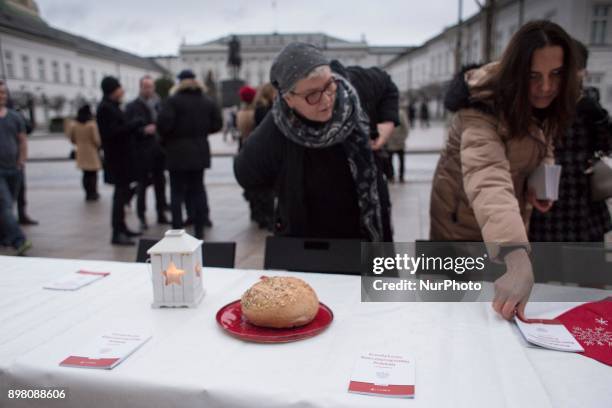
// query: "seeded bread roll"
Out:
[280,302]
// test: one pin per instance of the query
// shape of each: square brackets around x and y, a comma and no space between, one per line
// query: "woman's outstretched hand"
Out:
[513,288]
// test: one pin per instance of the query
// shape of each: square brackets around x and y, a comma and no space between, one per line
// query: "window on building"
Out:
[55,70]
[42,72]
[68,70]
[594,78]
[10,67]
[81,77]
[94,79]
[447,59]
[499,38]
[511,31]
[599,23]
[435,65]
[432,66]
[25,67]
[410,77]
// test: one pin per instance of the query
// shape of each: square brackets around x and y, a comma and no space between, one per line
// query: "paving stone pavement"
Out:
[72,228]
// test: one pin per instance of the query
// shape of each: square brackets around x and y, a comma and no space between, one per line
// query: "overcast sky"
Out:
[156,27]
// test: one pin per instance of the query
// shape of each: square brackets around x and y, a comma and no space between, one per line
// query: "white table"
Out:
[466,356]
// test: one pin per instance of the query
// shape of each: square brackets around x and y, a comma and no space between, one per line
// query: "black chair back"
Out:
[313,255]
[214,254]
[586,265]
[219,254]
[143,246]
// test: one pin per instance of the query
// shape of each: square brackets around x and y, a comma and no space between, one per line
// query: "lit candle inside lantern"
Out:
[173,274]
[198,269]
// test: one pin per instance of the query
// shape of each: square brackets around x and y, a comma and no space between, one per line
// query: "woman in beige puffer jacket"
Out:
[480,182]
[84,135]
[506,116]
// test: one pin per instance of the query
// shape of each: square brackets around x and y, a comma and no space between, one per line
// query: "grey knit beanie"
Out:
[293,63]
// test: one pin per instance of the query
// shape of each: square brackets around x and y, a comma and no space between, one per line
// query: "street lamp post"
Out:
[458,44]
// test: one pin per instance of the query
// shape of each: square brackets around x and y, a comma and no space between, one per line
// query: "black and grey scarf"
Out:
[349,125]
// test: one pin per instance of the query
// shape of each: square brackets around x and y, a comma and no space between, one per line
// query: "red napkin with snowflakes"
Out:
[591,325]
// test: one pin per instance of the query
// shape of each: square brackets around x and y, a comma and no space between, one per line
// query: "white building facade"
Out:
[423,72]
[56,71]
[259,50]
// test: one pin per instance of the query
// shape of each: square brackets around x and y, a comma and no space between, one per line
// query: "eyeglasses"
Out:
[314,97]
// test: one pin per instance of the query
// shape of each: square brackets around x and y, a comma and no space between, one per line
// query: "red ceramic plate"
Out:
[230,318]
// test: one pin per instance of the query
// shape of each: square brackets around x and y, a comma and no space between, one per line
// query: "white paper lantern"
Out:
[176,263]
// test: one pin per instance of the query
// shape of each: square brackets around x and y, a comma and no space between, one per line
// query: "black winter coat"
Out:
[260,113]
[574,217]
[377,92]
[117,134]
[270,160]
[184,123]
[147,147]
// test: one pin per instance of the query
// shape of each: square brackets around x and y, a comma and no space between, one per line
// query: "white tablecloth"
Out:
[466,356]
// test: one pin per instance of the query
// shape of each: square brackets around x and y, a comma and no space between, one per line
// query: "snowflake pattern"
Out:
[602,321]
[592,337]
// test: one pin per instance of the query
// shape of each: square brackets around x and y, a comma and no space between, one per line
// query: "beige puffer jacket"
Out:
[480,183]
[87,140]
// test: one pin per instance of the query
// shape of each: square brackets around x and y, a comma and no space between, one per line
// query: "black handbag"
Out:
[601,179]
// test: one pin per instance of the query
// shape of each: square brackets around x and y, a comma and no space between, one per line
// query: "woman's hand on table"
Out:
[513,288]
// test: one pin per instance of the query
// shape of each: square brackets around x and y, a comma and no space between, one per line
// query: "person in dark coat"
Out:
[261,201]
[13,154]
[116,133]
[151,158]
[574,217]
[379,99]
[22,214]
[23,217]
[424,113]
[411,114]
[314,147]
[184,123]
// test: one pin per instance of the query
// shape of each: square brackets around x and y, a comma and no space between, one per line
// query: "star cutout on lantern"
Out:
[198,269]
[173,274]
[602,321]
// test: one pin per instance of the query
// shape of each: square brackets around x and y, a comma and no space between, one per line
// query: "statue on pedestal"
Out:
[234,60]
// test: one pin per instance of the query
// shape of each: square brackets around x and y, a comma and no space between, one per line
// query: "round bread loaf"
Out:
[280,302]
